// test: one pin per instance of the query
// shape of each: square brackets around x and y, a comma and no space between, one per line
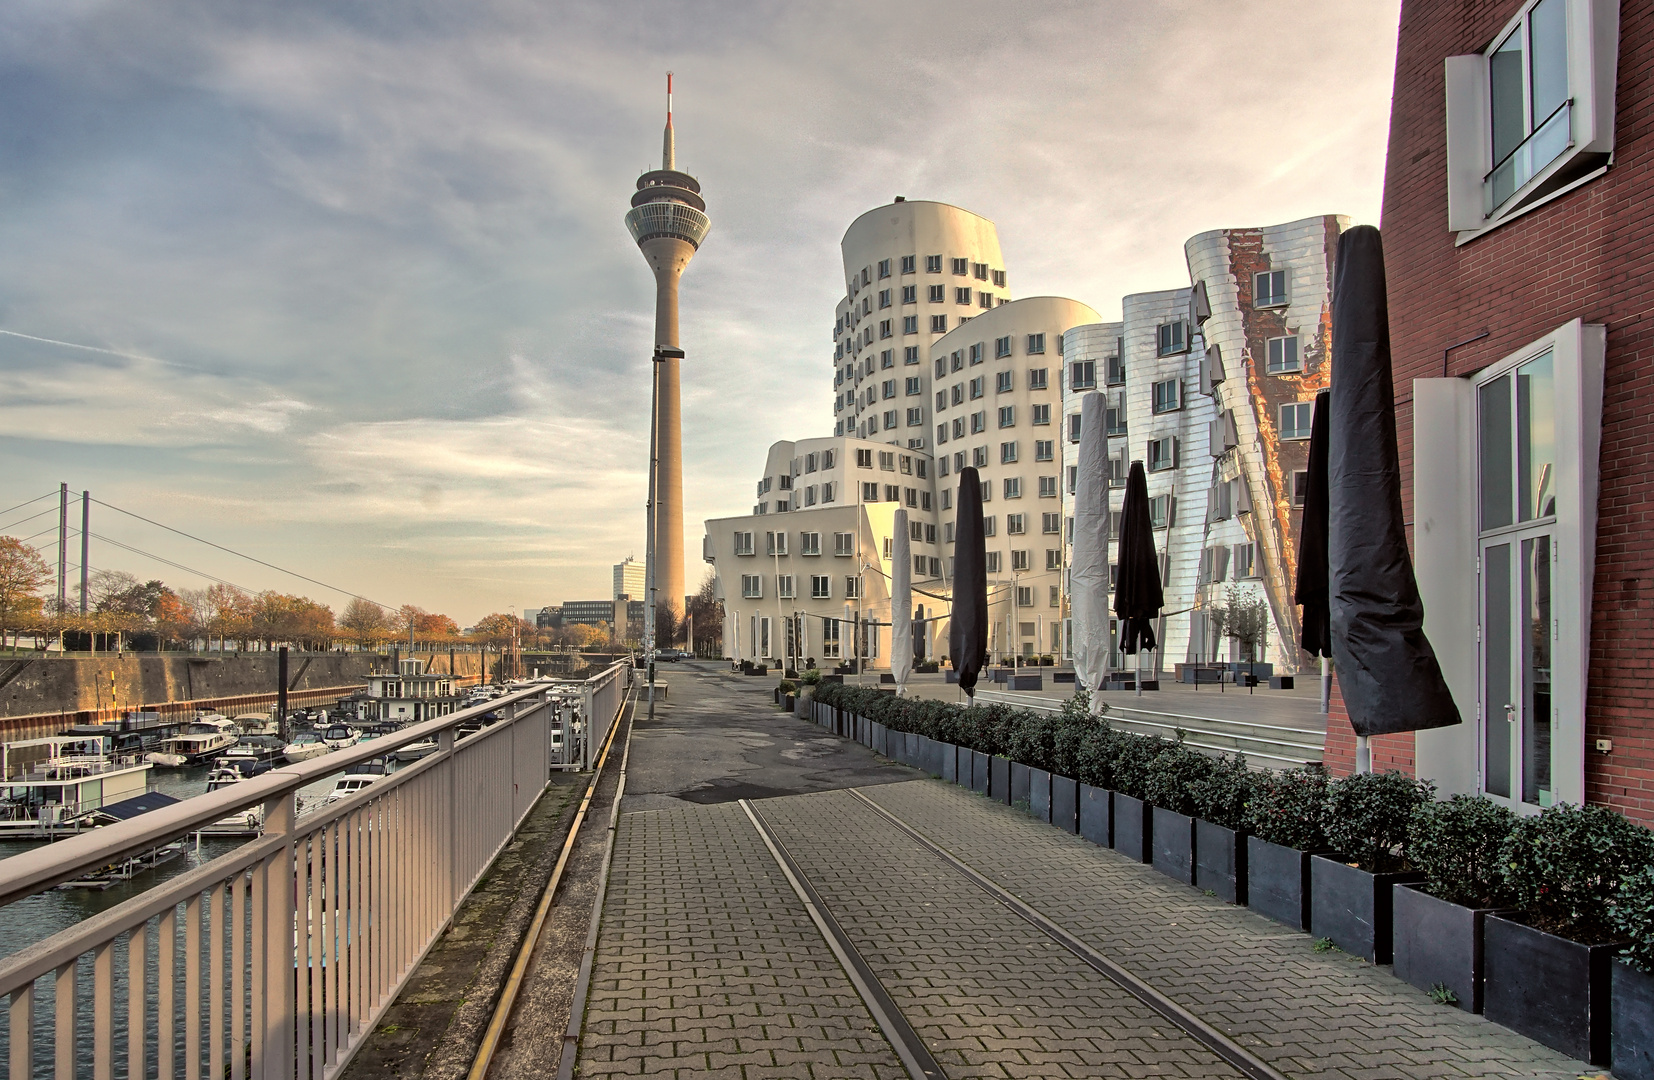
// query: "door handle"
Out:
[1510,713]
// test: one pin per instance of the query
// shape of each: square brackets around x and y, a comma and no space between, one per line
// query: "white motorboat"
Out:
[339,736]
[416,751]
[246,822]
[361,775]
[257,723]
[306,745]
[198,744]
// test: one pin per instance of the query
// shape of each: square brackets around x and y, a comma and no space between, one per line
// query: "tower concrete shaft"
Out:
[668,220]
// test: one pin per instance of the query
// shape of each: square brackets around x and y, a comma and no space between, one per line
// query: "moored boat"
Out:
[305,745]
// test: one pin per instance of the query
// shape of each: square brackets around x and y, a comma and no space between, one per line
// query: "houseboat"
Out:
[198,744]
[53,784]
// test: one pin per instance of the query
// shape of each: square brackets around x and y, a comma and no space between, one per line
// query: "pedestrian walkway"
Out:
[709,964]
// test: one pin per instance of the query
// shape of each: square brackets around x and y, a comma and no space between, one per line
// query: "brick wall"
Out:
[1588,255]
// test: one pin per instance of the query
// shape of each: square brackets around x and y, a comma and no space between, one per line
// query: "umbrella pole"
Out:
[1326,686]
[1138,681]
[1363,755]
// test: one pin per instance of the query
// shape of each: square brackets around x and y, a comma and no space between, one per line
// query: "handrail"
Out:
[31,872]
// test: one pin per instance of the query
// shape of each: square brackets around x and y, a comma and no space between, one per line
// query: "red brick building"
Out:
[1520,253]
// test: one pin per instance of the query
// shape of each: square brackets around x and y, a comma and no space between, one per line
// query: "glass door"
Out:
[1517,455]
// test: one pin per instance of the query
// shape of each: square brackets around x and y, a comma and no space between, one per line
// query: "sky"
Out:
[344,284]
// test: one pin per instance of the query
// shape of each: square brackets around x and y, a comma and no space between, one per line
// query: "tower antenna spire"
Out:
[669,154]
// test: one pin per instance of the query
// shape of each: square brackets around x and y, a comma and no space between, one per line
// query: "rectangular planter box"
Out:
[921,753]
[1027,682]
[880,738]
[1438,944]
[1062,676]
[936,754]
[1633,1023]
[1220,861]
[1019,785]
[1353,907]
[999,779]
[1133,828]
[950,675]
[1039,794]
[1097,815]
[1065,803]
[1552,990]
[910,748]
[979,772]
[950,762]
[1277,882]
[1173,846]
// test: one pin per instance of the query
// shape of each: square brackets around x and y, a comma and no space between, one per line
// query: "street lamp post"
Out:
[662,354]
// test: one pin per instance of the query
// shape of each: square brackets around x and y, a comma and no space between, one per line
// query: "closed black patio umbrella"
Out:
[1138,595]
[1387,671]
[968,630]
[1312,584]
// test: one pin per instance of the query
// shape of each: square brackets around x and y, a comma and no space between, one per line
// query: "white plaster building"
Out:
[913,272]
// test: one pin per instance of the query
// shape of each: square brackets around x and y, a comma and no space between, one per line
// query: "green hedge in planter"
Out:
[1367,816]
[1457,846]
[1220,796]
[1171,777]
[1289,808]
[1565,868]
[1633,918]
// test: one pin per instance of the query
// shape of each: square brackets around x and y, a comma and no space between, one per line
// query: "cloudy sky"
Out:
[344,284]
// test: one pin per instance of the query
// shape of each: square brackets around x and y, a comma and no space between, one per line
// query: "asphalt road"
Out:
[716,739]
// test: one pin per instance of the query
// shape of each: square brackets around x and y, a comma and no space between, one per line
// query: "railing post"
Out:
[280,813]
[450,808]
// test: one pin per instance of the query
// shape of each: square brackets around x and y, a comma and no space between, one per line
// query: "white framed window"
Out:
[852,587]
[775,543]
[809,543]
[1296,419]
[979,422]
[1269,288]
[887,358]
[1074,427]
[1036,344]
[844,544]
[1160,513]
[999,279]
[978,386]
[743,543]
[864,458]
[937,294]
[885,298]
[1053,561]
[869,491]
[810,495]
[938,324]
[1282,355]
[1050,524]
[1167,395]
[821,587]
[910,324]
[1040,415]
[1048,488]
[1506,547]
[942,437]
[890,419]
[1016,524]
[829,492]
[888,389]
[991,562]
[830,639]
[1019,560]
[933,264]
[1007,416]
[1007,453]
[884,268]
[916,418]
[910,354]
[1162,453]
[913,386]
[1045,449]
[947,498]
[1013,487]
[1038,378]
[752,586]
[985,299]
[1004,382]
[1082,375]
[990,525]
[961,267]
[962,296]
[784,586]
[1245,561]
[1002,346]
[907,263]
[1533,115]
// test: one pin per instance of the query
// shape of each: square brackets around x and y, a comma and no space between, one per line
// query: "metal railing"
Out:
[274,960]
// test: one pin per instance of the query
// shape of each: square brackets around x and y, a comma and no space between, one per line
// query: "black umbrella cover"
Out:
[1387,672]
[1313,582]
[1138,596]
[968,630]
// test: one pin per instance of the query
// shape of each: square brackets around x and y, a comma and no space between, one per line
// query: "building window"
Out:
[999,279]
[1115,371]
[910,324]
[1053,561]
[884,328]
[910,294]
[941,400]
[991,563]
[887,460]
[752,586]
[1003,382]
[884,268]
[1073,477]
[977,353]
[956,360]
[1167,397]
[938,324]
[1007,453]
[1073,427]
[1015,524]
[942,435]
[1244,561]
[830,638]
[1171,339]
[889,388]
[979,386]
[1082,375]
[1002,346]
[743,543]
[979,457]
[1036,344]
[979,422]
[1048,490]
[1300,488]
[980,271]
[1045,449]
[892,493]
[937,294]
[913,386]
[821,587]
[828,492]
[844,544]
[985,299]
[958,426]
[1283,355]
[1050,524]
[852,587]
[933,264]
[1296,419]
[947,498]
[1163,453]
[810,495]
[961,267]
[1269,288]
[887,358]
[869,491]
[809,543]
[916,418]
[910,354]
[1019,562]
[828,459]
[884,298]
[1037,378]
[1160,512]
[907,264]
[890,420]
[1041,415]
[1013,487]
[962,296]
[784,586]
[1007,416]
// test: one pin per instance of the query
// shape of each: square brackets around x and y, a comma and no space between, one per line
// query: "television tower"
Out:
[668,220]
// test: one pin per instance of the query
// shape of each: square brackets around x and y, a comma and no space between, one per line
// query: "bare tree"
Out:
[23,573]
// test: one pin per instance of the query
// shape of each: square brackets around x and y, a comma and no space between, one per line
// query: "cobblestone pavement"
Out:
[708,965]
[1305,1013]
[990,995]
